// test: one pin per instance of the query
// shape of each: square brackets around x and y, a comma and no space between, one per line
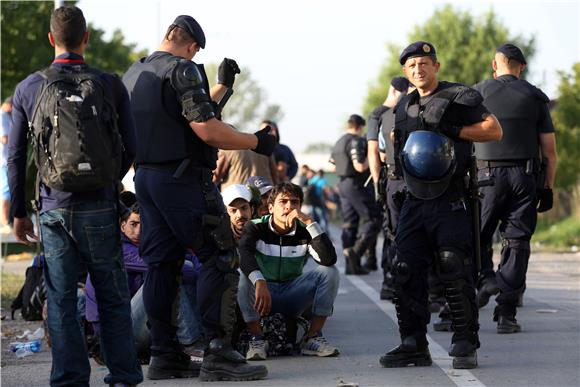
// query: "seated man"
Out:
[237,199]
[273,252]
[189,319]
[260,188]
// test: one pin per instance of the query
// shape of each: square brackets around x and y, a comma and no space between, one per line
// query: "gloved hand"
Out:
[266,142]
[545,197]
[451,131]
[227,72]
[379,195]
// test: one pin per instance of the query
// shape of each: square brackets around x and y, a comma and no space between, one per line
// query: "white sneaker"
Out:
[258,350]
[318,346]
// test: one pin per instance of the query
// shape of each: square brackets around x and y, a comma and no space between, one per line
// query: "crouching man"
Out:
[273,252]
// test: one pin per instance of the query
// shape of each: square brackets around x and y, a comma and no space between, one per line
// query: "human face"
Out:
[240,212]
[132,228]
[283,205]
[263,209]
[422,73]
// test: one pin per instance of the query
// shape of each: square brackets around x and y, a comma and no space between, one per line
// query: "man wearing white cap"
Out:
[237,198]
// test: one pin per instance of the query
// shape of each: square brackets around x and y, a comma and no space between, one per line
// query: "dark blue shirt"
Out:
[22,110]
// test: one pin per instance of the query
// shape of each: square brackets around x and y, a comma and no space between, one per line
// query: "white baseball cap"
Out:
[236,191]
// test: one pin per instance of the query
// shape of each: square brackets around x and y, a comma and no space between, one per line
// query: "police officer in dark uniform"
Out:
[434,129]
[520,181]
[356,200]
[388,181]
[178,133]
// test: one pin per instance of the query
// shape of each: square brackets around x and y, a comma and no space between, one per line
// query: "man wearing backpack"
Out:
[74,112]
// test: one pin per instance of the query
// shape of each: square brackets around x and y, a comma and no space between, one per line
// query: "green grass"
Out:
[10,284]
[565,233]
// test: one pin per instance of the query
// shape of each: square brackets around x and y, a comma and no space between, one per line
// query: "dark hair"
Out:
[356,121]
[287,188]
[320,173]
[68,26]
[179,36]
[134,209]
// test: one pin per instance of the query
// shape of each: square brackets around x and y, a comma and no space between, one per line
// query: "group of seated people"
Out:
[275,241]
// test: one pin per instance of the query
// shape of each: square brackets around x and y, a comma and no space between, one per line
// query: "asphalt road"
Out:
[545,353]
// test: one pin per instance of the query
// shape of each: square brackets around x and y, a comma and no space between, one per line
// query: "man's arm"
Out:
[247,248]
[222,167]
[374,159]
[548,147]
[487,130]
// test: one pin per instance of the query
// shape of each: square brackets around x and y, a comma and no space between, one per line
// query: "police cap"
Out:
[419,48]
[192,27]
[512,52]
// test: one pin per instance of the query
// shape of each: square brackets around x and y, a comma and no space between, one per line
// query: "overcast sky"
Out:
[317,58]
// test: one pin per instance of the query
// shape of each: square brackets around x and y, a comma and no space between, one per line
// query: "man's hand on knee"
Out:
[263,303]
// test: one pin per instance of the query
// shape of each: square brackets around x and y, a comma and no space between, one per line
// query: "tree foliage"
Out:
[465,47]
[25,46]
[566,117]
[248,105]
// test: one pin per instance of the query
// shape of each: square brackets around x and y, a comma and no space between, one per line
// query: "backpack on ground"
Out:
[76,141]
[31,297]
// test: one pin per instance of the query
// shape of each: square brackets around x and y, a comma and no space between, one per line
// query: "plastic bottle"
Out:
[22,349]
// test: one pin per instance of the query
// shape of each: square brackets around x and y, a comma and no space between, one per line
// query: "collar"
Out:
[69,58]
[507,78]
[271,225]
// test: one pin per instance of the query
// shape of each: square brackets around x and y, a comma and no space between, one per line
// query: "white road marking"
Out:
[461,378]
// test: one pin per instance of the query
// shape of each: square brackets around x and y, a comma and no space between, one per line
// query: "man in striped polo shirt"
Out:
[273,252]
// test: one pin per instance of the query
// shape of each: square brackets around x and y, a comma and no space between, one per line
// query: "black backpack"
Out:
[31,296]
[76,141]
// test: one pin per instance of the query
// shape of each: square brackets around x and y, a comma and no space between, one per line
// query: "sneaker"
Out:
[318,346]
[257,350]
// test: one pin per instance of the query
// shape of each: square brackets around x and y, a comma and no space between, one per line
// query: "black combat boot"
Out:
[487,288]
[172,365]
[464,351]
[222,362]
[505,315]
[387,289]
[371,263]
[408,353]
[353,265]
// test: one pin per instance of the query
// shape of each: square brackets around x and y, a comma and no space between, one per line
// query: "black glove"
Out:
[378,194]
[451,131]
[546,199]
[227,72]
[266,142]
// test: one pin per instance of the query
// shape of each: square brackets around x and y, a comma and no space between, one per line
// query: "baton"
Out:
[368,181]
[223,102]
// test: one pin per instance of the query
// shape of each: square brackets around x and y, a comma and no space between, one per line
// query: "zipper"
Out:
[280,261]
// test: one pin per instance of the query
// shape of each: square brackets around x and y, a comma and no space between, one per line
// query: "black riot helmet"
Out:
[428,161]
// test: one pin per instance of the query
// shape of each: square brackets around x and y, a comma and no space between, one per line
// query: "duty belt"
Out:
[482,164]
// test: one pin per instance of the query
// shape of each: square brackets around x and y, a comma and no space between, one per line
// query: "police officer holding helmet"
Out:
[434,129]
[356,200]
[521,180]
[178,133]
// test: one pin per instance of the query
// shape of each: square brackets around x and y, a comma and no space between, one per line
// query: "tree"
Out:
[566,117]
[247,105]
[25,46]
[465,47]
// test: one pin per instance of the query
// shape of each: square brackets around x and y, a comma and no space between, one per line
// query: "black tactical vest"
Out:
[341,156]
[387,125]
[516,105]
[428,113]
[163,134]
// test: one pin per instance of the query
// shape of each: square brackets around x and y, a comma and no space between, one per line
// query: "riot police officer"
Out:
[387,179]
[520,181]
[434,129]
[178,133]
[356,200]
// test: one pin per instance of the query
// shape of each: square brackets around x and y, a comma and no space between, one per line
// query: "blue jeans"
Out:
[87,234]
[317,287]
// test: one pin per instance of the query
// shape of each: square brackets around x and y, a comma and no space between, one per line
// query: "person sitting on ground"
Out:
[237,199]
[189,319]
[273,252]
[260,188]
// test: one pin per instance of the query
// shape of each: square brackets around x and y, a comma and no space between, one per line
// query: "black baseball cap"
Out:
[416,49]
[192,27]
[512,52]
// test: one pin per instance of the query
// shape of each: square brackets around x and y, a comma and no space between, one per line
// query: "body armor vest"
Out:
[387,125]
[514,103]
[163,134]
[412,113]
[341,156]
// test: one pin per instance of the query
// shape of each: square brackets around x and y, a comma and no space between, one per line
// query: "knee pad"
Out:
[520,244]
[452,263]
[402,272]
